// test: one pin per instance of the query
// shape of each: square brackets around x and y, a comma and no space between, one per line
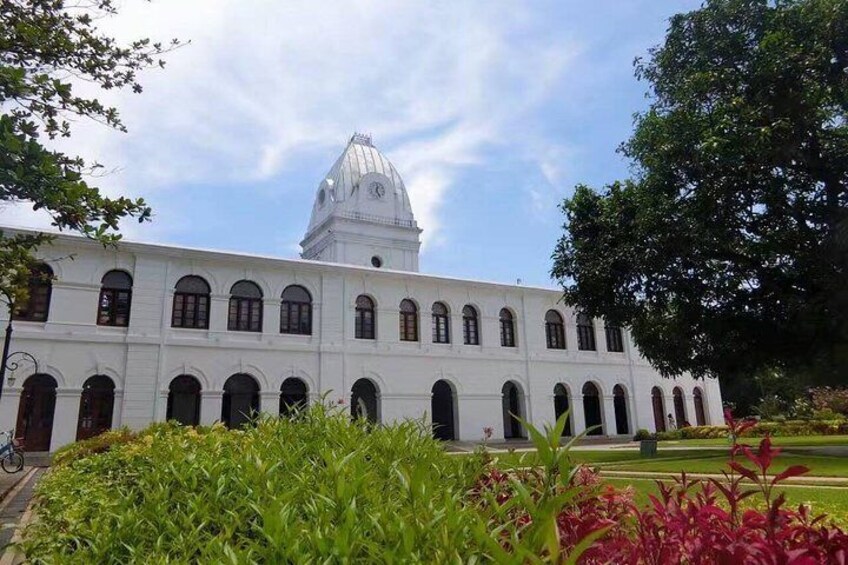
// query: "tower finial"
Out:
[362,139]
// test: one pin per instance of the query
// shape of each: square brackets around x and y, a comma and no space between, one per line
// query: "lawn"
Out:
[822,500]
[607,456]
[821,466]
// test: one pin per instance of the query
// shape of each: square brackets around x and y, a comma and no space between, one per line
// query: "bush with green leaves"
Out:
[788,428]
[313,488]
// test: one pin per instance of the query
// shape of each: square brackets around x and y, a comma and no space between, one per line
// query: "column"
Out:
[210,406]
[271,316]
[9,403]
[600,335]
[117,409]
[65,417]
[162,406]
[668,404]
[219,312]
[578,416]
[269,403]
[608,415]
[689,402]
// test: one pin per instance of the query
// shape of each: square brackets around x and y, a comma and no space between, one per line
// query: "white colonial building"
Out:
[144,333]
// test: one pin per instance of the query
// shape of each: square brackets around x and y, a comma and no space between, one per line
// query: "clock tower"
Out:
[362,214]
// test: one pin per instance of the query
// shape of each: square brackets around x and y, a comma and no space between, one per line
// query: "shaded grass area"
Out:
[822,500]
[606,456]
[812,441]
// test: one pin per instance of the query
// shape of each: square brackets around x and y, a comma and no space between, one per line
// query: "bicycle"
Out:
[11,453]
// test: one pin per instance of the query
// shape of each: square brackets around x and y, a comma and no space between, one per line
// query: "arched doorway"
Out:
[293,396]
[619,400]
[512,400]
[241,400]
[700,414]
[658,408]
[561,406]
[184,400]
[592,410]
[364,401]
[96,404]
[35,412]
[679,408]
[442,408]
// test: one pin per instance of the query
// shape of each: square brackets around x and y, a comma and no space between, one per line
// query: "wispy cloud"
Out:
[262,85]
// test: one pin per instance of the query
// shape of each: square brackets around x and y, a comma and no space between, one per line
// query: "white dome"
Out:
[362,184]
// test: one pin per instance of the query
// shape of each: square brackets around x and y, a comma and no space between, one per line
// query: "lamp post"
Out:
[5,361]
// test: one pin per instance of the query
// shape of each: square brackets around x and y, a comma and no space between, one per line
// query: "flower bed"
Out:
[319,488]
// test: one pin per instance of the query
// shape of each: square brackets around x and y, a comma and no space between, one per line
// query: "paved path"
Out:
[15,500]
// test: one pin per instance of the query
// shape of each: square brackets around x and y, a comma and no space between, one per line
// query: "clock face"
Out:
[377,190]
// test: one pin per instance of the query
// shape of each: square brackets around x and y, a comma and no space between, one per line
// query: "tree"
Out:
[46,47]
[726,253]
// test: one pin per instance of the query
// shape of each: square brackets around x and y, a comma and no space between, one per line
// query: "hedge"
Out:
[790,428]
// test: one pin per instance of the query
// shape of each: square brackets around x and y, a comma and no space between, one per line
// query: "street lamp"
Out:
[5,360]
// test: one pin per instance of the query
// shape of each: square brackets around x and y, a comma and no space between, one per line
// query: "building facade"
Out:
[145,333]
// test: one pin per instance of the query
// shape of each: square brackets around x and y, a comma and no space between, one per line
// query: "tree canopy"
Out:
[47,47]
[726,250]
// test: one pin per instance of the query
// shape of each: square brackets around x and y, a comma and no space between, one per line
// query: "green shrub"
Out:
[317,486]
[642,434]
[789,428]
[97,444]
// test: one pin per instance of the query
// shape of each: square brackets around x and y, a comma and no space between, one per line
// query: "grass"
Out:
[605,456]
[822,500]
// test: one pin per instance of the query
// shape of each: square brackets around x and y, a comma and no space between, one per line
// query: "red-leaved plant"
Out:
[690,521]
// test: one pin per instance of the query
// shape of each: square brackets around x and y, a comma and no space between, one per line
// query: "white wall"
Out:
[143,358]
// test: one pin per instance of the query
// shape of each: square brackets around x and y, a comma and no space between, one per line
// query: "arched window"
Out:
[592,410]
[561,406]
[619,401]
[35,412]
[293,396]
[191,303]
[615,343]
[408,320]
[441,323]
[554,330]
[184,400]
[240,403]
[512,403]
[442,408]
[700,416]
[96,404]
[364,324]
[585,333]
[365,401]
[113,308]
[679,408]
[470,332]
[507,328]
[296,311]
[37,306]
[658,409]
[245,313]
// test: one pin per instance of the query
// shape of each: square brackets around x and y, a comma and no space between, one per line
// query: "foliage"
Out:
[643,434]
[48,49]
[97,444]
[827,398]
[690,522]
[315,487]
[727,250]
[770,407]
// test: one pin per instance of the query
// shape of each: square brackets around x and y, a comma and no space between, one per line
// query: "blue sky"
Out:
[491,111]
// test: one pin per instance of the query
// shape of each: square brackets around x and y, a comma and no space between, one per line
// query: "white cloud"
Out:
[265,82]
